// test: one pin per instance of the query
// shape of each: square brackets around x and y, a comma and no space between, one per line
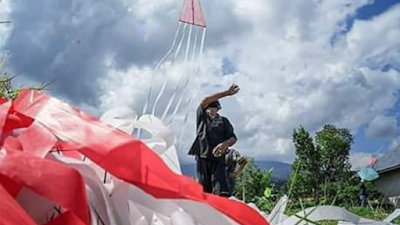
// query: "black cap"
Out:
[215,104]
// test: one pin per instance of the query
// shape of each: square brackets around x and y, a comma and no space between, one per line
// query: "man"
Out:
[235,163]
[362,194]
[214,136]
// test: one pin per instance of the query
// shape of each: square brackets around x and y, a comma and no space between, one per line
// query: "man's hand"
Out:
[219,150]
[232,175]
[233,89]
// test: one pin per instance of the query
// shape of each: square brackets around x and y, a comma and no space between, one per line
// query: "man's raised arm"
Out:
[233,89]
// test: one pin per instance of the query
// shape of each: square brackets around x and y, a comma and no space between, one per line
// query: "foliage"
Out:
[306,166]
[7,90]
[254,185]
[373,214]
[321,169]
[333,145]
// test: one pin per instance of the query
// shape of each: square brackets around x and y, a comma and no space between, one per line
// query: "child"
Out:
[234,165]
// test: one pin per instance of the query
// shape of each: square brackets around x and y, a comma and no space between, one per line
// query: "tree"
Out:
[321,168]
[306,168]
[333,145]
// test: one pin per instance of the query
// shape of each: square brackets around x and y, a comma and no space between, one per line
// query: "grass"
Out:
[364,212]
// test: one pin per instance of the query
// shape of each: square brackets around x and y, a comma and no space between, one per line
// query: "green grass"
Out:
[360,211]
[378,215]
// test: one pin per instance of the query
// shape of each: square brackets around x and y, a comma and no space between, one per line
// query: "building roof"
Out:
[388,162]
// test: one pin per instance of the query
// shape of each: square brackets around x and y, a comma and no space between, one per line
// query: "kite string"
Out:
[157,66]
[197,68]
[187,79]
[166,77]
[172,99]
[9,37]
[188,43]
[198,71]
[195,44]
[146,105]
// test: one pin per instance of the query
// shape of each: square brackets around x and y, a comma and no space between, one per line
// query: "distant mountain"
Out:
[281,171]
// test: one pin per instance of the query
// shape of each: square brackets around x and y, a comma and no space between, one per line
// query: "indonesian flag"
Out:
[59,165]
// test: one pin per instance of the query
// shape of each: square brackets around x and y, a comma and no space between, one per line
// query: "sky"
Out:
[298,62]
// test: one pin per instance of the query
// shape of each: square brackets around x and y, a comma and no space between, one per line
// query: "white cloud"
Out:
[294,60]
[382,126]
[395,143]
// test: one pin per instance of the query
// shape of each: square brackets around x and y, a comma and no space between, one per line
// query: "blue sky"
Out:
[376,8]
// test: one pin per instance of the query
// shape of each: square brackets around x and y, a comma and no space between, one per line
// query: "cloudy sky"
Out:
[298,62]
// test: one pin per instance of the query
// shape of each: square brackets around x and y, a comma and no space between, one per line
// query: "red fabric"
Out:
[52,180]
[11,186]
[116,152]
[192,13]
[69,149]
[37,140]
[4,112]
[11,213]
[73,154]
[3,100]
[16,120]
[12,143]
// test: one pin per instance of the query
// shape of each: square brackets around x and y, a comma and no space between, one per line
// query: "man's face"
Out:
[212,111]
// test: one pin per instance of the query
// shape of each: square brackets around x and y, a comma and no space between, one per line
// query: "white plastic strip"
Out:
[166,77]
[394,215]
[195,44]
[188,44]
[334,213]
[197,68]
[172,99]
[157,66]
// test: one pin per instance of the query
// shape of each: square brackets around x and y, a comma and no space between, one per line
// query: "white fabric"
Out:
[162,140]
[125,204]
[395,214]
[276,216]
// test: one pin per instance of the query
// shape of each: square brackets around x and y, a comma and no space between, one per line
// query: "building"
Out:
[388,168]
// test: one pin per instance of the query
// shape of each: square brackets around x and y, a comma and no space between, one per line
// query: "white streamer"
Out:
[197,73]
[197,68]
[166,77]
[158,65]
[146,105]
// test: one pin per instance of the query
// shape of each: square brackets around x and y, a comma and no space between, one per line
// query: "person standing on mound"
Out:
[214,135]
[234,163]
